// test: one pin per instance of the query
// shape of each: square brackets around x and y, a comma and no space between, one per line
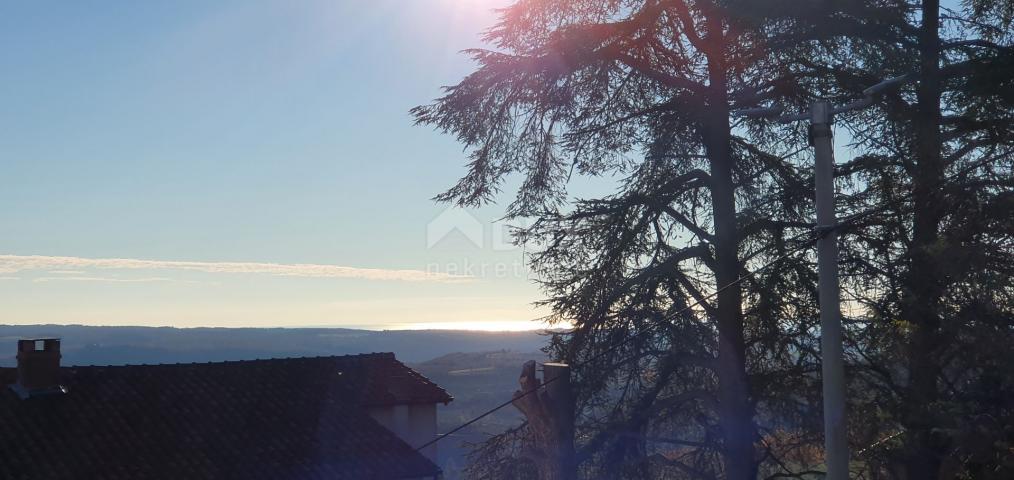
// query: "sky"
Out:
[247,164]
[243,163]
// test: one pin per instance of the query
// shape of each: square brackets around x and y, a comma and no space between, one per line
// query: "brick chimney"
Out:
[38,367]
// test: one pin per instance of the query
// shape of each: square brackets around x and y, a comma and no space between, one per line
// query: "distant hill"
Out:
[478,381]
[461,362]
[87,345]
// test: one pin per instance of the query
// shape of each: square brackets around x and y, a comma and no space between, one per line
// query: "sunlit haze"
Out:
[243,164]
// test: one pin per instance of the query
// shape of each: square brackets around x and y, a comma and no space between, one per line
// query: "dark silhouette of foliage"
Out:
[644,91]
[930,274]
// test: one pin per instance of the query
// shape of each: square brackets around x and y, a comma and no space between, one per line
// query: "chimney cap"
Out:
[48,344]
[38,367]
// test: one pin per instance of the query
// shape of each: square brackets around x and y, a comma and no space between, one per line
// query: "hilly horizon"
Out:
[98,345]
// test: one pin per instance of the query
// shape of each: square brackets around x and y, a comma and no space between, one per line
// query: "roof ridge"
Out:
[247,360]
[382,378]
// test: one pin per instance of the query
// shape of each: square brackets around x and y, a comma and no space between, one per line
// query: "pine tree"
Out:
[932,270]
[644,90]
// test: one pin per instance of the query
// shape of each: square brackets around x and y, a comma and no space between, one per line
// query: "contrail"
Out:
[18,263]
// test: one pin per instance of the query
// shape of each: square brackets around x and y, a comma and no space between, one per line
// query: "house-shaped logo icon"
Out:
[454,219]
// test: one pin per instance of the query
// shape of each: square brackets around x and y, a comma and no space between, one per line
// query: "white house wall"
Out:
[415,424]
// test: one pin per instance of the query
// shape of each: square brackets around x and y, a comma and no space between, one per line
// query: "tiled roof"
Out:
[382,379]
[299,418]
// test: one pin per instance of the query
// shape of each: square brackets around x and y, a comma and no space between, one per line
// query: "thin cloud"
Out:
[10,278]
[102,279]
[18,263]
[65,272]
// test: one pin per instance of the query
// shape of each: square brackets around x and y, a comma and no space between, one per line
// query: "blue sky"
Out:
[244,163]
[266,143]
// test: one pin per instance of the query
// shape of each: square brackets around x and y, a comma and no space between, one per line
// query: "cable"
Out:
[818,232]
[879,442]
[616,345]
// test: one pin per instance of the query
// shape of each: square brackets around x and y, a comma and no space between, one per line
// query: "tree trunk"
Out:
[550,415]
[922,454]
[735,411]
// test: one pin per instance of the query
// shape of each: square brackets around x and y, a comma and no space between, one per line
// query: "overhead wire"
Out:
[816,233]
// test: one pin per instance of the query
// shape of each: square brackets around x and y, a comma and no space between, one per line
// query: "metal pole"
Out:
[832,362]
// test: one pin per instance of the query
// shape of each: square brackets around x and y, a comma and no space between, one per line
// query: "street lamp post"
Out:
[821,115]
[832,357]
